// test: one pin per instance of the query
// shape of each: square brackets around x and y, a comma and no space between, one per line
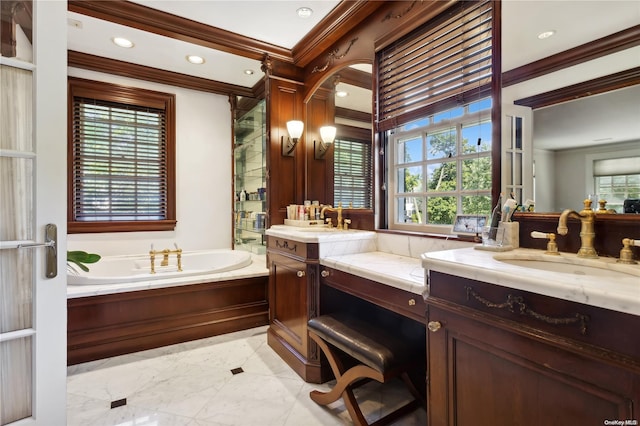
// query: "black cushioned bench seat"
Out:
[382,353]
[365,341]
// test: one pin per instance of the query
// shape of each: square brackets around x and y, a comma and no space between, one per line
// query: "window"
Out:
[122,158]
[441,166]
[434,107]
[352,173]
[616,180]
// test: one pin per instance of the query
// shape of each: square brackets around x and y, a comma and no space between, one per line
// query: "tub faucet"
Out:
[587,232]
[165,258]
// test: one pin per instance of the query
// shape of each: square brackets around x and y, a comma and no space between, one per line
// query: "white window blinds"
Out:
[617,166]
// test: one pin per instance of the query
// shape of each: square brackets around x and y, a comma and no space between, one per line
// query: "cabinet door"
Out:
[288,295]
[481,373]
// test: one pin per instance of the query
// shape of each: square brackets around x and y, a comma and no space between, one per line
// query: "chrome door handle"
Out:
[50,240]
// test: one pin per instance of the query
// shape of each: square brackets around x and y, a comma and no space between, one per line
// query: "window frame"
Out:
[422,133]
[127,95]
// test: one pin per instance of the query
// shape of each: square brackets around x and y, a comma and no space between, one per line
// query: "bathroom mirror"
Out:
[344,174]
[571,139]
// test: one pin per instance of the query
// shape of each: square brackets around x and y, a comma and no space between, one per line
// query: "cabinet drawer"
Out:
[293,248]
[397,300]
[596,326]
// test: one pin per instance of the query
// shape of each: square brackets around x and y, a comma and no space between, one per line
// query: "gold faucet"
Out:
[331,209]
[165,258]
[587,232]
[626,255]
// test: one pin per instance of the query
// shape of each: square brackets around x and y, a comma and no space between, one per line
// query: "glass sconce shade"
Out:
[295,127]
[327,134]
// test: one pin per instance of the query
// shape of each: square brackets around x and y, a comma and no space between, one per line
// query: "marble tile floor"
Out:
[192,384]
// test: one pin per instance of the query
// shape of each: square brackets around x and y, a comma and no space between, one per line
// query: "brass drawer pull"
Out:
[412,302]
[324,273]
[434,326]
[517,304]
[300,274]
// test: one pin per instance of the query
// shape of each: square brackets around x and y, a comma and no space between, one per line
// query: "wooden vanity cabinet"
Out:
[293,300]
[499,356]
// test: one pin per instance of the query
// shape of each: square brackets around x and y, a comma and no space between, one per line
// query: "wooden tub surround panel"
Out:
[115,324]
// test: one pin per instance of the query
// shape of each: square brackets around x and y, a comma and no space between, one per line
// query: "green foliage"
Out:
[80,258]
[411,181]
[476,175]
[441,210]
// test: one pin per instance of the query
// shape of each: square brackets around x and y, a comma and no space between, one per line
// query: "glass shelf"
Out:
[249,157]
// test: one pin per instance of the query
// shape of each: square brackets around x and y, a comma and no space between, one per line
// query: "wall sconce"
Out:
[327,135]
[294,127]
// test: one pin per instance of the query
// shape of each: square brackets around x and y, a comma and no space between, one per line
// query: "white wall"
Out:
[545,180]
[574,171]
[203,176]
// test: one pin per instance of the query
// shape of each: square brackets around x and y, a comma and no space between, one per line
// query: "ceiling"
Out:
[276,22]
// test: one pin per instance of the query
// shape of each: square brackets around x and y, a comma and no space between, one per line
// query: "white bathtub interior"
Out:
[135,268]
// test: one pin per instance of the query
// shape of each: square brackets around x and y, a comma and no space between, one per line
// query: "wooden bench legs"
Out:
[345,380]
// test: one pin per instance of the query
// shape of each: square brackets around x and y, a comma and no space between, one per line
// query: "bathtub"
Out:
[137,268]
[119,307]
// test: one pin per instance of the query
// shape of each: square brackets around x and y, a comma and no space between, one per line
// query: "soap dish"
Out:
[493,248]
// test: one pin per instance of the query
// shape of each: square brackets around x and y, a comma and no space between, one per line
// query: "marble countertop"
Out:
[405,273]
[317,234]
[257,268]
[621,294]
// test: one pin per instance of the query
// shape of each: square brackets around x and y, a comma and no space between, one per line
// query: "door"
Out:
[518,168]
[32,195]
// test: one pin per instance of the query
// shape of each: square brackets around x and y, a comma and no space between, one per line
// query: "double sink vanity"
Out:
[514,337]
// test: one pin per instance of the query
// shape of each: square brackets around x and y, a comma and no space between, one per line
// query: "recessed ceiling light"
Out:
[195,59]
[304,12]
[546,34]
[122,42]
[342,94]
[248,72]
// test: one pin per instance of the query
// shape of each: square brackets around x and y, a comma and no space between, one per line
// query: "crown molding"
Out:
[156,75]
[630,77]
[607,45]
[151,20]
[342,19]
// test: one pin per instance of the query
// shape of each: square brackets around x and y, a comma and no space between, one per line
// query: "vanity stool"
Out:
[377,354]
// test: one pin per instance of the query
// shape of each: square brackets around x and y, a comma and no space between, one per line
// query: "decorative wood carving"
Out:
[334,55]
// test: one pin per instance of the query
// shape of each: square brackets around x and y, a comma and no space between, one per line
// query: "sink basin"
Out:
[575,266]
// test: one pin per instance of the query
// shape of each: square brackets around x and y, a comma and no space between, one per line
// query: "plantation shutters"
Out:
[352,173]
[436,67]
